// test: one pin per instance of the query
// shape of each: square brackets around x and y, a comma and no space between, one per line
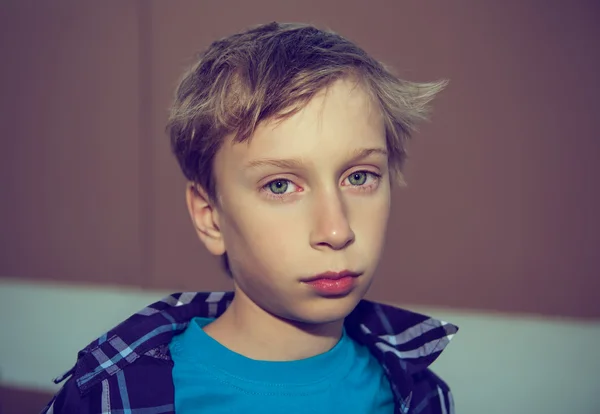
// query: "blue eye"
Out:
[278,186]
[362,180]
[358,178]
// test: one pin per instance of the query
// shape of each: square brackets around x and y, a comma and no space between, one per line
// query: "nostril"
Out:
[337,241]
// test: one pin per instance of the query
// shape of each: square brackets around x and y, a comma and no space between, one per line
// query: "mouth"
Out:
[332,276]
[333,283]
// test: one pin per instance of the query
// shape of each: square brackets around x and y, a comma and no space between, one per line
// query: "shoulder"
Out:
[69,400]
[147,384]
[130,366]
[406,344]
[431,394]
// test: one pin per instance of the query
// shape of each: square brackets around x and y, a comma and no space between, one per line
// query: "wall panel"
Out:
[69,171]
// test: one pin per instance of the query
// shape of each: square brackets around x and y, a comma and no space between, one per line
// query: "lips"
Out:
[332,276]
[333,284]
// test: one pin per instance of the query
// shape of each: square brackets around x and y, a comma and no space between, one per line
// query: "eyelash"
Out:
[365,187]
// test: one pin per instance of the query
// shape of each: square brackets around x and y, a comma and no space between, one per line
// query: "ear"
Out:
[205,218]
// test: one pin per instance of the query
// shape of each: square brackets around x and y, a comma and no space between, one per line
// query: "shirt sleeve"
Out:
[69,401]
[431,395]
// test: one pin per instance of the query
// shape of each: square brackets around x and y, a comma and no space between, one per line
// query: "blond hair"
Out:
[270,72]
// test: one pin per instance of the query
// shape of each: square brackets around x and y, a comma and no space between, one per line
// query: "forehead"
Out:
[338,119]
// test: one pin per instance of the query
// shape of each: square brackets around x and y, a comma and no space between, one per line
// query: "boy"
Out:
[290,138]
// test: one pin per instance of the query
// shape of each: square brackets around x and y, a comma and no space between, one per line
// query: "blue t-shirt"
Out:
[209,378]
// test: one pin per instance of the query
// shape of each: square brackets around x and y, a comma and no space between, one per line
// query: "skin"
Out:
[332,216]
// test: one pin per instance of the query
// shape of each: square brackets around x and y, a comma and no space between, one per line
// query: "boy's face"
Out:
[301,198]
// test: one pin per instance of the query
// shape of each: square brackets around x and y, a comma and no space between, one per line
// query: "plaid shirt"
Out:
[128,370]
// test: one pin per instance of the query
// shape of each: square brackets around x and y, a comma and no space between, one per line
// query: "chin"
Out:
[327,310]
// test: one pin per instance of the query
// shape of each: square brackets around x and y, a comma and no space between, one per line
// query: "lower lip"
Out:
[336,287]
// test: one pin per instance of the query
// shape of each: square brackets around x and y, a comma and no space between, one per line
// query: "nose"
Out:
[331,226]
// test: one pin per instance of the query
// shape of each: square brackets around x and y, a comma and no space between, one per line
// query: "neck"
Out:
[249,330]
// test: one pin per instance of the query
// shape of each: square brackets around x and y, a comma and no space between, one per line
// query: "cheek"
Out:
[374,226]
[264,236]
[370,222]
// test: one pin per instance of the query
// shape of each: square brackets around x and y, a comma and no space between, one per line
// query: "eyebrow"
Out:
[296,163]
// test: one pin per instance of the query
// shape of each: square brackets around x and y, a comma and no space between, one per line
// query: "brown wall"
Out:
[500,212]
[22,401]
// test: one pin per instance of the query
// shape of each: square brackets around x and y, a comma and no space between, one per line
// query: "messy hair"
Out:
[270,72]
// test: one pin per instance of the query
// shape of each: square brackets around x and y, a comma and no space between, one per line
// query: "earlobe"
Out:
[205,219]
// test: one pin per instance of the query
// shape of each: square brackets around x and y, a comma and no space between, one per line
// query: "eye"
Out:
[358,178]
[363,180]
[278,186]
